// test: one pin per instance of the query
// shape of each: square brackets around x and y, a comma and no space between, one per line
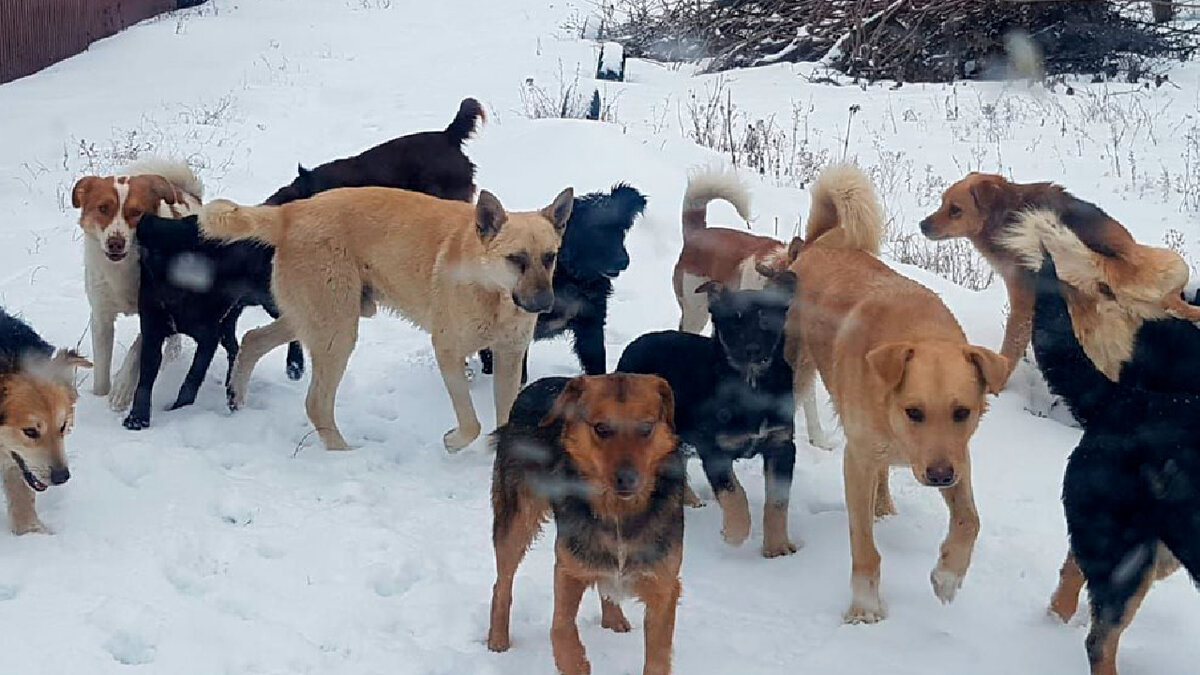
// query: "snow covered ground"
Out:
[218,543]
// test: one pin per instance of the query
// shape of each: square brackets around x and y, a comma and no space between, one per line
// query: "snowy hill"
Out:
[218,543]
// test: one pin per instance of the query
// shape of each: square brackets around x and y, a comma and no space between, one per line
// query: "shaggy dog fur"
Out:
[984,207]
[907,385]
[1131,490]
[599,453]
[471,276]
[592,255]
[734,399]
[197,287]
[37,407]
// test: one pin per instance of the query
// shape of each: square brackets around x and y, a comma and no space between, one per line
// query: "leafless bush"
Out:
[955,259]
[567,100]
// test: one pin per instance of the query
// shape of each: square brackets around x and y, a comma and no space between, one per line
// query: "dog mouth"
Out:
[31,479]
[115,256]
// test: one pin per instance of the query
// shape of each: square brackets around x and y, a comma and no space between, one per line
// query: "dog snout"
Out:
[926,227]
[620,265]
[541,301]
[626,480]
[114,247]
[59,475]
[940,474]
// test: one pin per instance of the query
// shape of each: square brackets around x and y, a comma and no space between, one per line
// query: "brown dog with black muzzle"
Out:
[907,386]
[984,208]
[600,452]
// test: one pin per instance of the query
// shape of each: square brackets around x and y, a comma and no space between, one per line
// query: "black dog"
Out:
[733,398]
[431,162]
[197,287]
[1133,482]
[591,256]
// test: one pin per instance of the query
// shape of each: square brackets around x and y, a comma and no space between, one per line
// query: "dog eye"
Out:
[603,430]
[548,260]
[31,432]
[644,429]
[134,215]
[103,209]
[519,260]
[915,414]
[961,414]
[955,211]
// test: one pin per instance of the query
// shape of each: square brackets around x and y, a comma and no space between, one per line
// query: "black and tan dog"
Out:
[599,452]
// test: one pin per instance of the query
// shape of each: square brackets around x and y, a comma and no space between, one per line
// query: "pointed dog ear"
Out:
[489,216]
[890,361]
[567,406]
[713,289]
[559,212]
[794,249]
[993,368]
[667,396]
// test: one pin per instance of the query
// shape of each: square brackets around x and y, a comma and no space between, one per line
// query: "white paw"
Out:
[859,614]
[945,584]
[456,439]
[173,347]
[33,526]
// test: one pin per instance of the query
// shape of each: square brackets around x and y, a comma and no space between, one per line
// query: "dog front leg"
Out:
[230,344]
[206,347]
[866,606]
[1019,327]
[102,349]
[506,383]
[569,654]
[450,362]
[589,346]
[151,358]
[661,598]
[778,464]
[22,512]
[735,510]
[955,556]
[1065,600]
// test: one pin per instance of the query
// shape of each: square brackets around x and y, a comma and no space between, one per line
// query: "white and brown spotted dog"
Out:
[109,210]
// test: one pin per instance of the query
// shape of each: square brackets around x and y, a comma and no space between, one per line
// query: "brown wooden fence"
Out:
[37,33]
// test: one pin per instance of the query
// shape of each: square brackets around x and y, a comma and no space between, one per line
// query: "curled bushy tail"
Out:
[223,219]
[707,184]
[469,113]
[176,171]
[844,204]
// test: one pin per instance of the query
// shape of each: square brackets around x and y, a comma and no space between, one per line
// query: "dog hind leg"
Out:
[331,339]
[517,521]
[102,350]
[255,344]
[126,380]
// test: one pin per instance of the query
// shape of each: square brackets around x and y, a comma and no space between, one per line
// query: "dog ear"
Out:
[794,249]
[989,194]
[489,216]
[559,212]
[82,187]
[567,405]
[302,172]
[160,187]
[713,288]
[783,280]
[667,396]
[890,361]
[993,368]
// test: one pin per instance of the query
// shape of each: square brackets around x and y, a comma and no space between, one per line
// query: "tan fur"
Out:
[446,266]
[886,346]
[37,411]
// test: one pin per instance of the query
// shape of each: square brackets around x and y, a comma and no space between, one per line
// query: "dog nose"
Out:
[115,245]
[626,480]
[622,264]
[940,474]
[59,475]
[542,301]
[926,226]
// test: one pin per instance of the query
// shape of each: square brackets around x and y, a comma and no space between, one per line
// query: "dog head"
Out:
[617,429]
[748,325]
[936,393]
[111,206]
[304,185]
[37,410]
[593,245]
[521,248]
[970,206]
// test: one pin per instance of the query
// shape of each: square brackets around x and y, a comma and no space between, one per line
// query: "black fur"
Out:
[1134,479]
[19,343]
[529,455]
[197,287]
[732,387]
[591,256]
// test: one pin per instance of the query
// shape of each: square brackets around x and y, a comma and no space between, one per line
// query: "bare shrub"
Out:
[954,259]
[567,99]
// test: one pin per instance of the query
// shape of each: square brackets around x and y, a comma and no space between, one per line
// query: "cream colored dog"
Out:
[473,276]
[907,386]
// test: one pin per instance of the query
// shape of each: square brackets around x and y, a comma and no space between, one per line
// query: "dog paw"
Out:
[457,439]
[173,347]
[136,421]
[30,526]
[497,642]
[945,584]
[295,371]
[736,533]
[617,624]
[859,614]
[776,550]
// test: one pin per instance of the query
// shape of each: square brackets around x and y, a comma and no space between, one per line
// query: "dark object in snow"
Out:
[610,65]
[601,454]
[1132,486]
[594,106]
[734,400]
[197,287]
[184,4]
[591,256]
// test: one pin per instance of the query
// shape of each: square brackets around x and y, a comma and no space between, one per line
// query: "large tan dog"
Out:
[907,386]
[473,276]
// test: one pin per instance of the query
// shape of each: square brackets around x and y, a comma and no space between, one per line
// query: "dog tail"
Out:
[177,172]
[845,211]
[223,219]
[463,127]
[707,184]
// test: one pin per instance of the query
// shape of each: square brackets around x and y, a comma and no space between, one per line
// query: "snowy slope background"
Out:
[218,543]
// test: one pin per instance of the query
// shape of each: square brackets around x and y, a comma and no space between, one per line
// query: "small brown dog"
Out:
[907,386]
[983,207]
[600,452]
[472,276]
[727,256]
